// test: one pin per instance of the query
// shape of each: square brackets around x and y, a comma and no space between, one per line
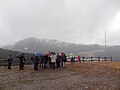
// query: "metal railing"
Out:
[92,59]
[4,62]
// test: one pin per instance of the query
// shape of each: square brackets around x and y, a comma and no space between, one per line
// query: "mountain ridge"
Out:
[32,45]
[52,44]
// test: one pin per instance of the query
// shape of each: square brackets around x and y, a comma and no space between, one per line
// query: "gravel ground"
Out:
[78,76]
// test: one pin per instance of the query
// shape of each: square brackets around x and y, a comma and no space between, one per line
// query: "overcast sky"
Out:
[78,21]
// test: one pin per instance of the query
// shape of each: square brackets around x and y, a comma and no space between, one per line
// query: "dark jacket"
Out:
[22,59]
[10,59]
[36,60]
[58,58]
[46,59]
[32,59]
[64,58]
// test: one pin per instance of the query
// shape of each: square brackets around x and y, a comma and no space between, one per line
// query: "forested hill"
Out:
[4,53]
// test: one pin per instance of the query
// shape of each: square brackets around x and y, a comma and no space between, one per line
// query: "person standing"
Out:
[58,60]
[10,60]
[72,59]
[83,59]
[64,59]
[79,59]
[36,62]
[53,60]
[45,61]
[50,63]
[41,61]
[22,61]
[32,59]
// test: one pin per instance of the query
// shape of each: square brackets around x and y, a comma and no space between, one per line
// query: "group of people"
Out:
[46,60]
[72,59]
[51,60]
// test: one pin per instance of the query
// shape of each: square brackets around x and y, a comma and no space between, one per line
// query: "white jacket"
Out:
[53,58]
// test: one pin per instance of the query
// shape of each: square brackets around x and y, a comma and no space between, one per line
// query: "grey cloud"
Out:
[78,21]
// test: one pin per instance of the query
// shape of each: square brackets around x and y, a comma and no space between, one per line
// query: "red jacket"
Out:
[78,57]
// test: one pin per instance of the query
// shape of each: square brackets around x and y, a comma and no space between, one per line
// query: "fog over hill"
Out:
[31,45]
